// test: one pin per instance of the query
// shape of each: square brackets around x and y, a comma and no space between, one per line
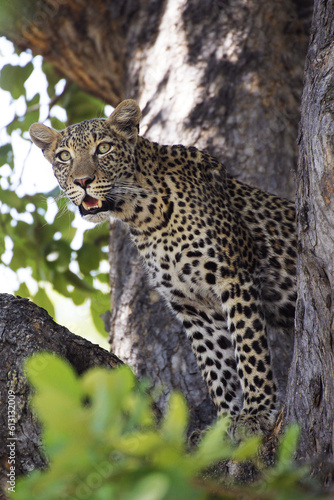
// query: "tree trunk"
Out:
[225,76]
[310,393]
[24,330]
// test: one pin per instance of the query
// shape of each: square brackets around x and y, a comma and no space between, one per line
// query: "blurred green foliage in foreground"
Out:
[29,240]
[103,442]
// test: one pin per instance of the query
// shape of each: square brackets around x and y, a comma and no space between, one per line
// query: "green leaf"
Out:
[6,155]
[80,106]
[288,445]
[13,13]
[247,449]
[64,208]
[58,393]
[46,371]
[139,444]
[54,193]
[60,284]
[97,236]
[108,391]
[79,284]
[58,255]
[213,446]
[99,305]
[88,258]
[42,300]
[151,487]
[23,291]
[52,76]
[121,381]
[32,114]
[56,123]
[13,125]
[11,199]
[13,78]
[175,423]
[27,251]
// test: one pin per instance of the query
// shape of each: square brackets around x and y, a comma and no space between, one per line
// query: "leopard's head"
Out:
[93,159]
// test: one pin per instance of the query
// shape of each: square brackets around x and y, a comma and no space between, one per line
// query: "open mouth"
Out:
[91,205]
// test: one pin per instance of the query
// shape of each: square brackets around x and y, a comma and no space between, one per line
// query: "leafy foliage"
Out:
[103,441]
[29,237]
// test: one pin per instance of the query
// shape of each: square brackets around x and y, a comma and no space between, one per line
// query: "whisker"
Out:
[61,211]
[131,187]
[60,196]
[124,186]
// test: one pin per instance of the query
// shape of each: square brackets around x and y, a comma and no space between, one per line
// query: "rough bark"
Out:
[83,40]
[224,76]
[310,393]
[24,330]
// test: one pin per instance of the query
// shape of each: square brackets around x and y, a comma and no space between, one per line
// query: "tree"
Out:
[311,382]
[225,77]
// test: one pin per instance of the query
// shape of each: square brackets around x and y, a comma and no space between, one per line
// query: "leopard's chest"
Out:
[181,271]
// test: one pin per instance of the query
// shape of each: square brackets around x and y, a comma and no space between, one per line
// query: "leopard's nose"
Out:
[84,182]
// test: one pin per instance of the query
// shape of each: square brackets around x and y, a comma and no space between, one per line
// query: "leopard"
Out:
[220,252]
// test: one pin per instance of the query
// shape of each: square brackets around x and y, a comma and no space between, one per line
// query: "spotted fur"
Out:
[221,253]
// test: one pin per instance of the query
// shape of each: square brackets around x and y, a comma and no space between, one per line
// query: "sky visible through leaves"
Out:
[33,174]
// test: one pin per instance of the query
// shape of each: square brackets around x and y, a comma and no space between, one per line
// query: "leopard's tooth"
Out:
[85,205]
[99,203]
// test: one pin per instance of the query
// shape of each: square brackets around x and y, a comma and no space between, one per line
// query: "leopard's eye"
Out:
[102,148]
[64,155]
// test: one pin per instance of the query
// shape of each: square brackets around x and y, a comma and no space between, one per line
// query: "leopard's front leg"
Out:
[212,345]
[247,326]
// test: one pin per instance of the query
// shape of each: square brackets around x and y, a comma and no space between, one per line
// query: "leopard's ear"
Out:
[125,119]
[45,138]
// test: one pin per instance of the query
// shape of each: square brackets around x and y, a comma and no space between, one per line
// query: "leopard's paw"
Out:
[248,423]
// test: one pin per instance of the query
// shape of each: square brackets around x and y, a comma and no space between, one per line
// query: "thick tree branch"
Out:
[73,34]
[24,330]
